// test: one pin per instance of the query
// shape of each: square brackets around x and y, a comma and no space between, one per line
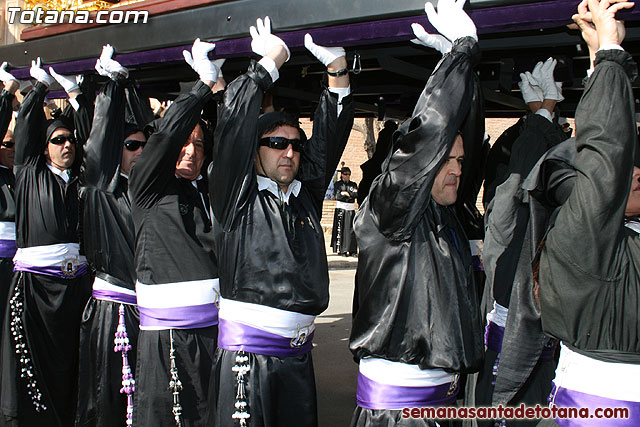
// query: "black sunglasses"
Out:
[280,143]
[59,140]
[133,144]
[7,144]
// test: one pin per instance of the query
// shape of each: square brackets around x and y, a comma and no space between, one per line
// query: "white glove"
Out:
[263,41]
[38,73]
[326,55]
[543,73]
[6,76]
[198,59]
[105,66]
[218,63]
[435,41]
[450,20]
[69,84]
[531,92]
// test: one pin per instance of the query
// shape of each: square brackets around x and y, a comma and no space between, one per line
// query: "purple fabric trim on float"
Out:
[114,296]
[374,395]
[234,336]
[8,248]
[187,317]
[477,263]
[56,271]
[565,398]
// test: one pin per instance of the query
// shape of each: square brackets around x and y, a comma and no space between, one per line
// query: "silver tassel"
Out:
[175,384]
[241,369]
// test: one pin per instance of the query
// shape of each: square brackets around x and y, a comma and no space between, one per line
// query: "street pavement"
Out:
[335,369]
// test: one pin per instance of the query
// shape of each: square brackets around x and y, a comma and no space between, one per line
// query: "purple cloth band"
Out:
[565,398]
[234,336]
[57,271]
[188,317]
[374,395]
[493,336]
[477,263]
[8,248]
[114,296]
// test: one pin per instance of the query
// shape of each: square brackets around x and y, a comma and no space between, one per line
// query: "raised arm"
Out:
[82,107]
[7,97]
[233,176]
[420,146]
[156,165]
[103,151]
[606,142]
[29,132]
[332,122]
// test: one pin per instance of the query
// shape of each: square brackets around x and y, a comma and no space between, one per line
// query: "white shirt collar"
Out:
[633,224]
[64,174]
[265,183]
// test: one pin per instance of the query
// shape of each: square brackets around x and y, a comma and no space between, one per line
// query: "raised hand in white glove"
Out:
[69,84]
[451,20]
[108,67]
[326,55]
[6,76]
[531,92]
[38,73]
[198,59]
[263,41]
[435,41]
[543,74]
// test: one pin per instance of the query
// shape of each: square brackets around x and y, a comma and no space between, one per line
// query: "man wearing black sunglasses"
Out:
[106,377]
[53,287]
[268,184]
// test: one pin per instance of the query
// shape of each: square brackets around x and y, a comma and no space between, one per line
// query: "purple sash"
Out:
[114,296]
[493,336]
[57,271]
[565,398]
[188,317]
[8,248]
[234,336]
[374,395]
[477,263]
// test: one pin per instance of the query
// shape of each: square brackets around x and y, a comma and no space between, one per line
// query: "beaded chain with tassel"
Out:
[175,384]
[121,342]
[27,370]
[241,368]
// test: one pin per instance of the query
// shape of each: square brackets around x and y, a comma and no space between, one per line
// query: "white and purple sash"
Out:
[106,291]
[264,330]
[345,206]
[383,384]
[179,305]
[61,260]
[476,254]
[584,382]
[7,239]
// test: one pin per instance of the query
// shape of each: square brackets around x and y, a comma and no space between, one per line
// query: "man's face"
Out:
[346,176]
[61,149]
[192,155]
[132,148]
[279,165]
[7,150]
[445,185]
[633,203]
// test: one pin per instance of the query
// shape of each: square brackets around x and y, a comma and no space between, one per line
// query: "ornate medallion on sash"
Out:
[383,384]
[61,260]
[259,329]
[179,305]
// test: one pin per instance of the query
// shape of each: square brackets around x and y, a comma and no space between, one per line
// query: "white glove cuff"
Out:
[269,65]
